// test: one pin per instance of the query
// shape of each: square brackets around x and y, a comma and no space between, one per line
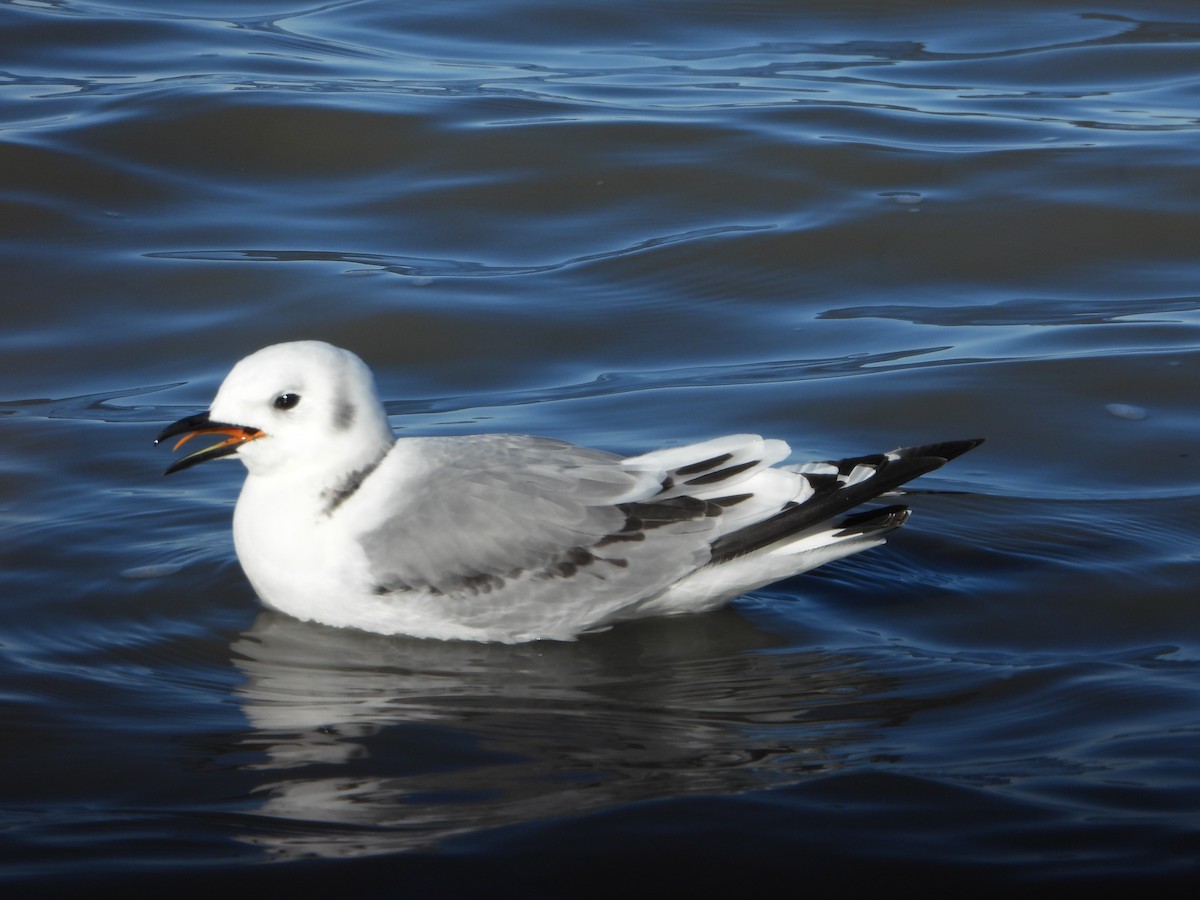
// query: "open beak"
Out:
[189,427]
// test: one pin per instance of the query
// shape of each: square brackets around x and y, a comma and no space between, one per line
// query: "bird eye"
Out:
[286,401]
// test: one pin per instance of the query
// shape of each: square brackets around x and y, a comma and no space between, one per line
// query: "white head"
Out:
[303,407]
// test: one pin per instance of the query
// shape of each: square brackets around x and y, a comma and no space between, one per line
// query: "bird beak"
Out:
[189,427]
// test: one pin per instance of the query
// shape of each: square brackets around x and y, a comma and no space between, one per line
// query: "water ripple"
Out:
[430,268]
[1021,311]
[98,407]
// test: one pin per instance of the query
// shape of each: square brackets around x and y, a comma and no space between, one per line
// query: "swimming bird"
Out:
[510,538]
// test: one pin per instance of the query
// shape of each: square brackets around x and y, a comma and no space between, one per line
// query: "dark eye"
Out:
[286,401]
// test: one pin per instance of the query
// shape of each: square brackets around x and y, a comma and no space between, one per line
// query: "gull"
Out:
[505,537]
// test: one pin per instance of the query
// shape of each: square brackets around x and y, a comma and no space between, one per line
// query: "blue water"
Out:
[851,225]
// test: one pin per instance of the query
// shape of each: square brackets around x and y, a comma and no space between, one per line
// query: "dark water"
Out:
[852,225]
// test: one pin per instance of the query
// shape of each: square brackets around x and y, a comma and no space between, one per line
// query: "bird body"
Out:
[498,537]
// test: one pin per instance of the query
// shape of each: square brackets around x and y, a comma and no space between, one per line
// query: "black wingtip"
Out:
[947,450]
[833,497]
[874,521]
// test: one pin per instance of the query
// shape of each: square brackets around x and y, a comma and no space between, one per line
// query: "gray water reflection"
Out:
[372,745]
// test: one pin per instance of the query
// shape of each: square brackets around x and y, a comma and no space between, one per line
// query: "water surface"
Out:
[849,225]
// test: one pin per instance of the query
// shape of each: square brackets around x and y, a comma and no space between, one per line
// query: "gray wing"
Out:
[488,513]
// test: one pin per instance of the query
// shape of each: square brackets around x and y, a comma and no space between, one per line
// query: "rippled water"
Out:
[852,225]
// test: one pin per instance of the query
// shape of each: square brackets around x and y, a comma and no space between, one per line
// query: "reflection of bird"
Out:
[359,744]
[506,537]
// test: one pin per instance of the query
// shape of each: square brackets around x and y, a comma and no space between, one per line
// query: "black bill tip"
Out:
[201,423]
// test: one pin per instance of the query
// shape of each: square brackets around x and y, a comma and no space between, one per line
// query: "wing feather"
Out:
[561,538]
[492,508]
